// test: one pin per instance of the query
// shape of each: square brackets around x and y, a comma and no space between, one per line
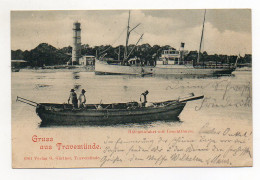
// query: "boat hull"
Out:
[190,70]
[103,68]
[108,116]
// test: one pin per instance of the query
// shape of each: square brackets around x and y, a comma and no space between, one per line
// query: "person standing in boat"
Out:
[143,98]
[82,99]
[73,98]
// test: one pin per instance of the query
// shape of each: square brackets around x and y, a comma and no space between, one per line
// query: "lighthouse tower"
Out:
[76,47]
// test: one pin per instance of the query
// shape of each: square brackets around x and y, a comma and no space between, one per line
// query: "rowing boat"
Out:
[115,113]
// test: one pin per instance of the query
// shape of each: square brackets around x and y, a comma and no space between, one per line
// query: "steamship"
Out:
[171,62]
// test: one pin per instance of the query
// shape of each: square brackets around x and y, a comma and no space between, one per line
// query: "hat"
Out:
[146,91]
[72,90]
[83,90]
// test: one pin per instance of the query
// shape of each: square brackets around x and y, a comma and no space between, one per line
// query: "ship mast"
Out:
[202,33]
[127,38]
[126,55]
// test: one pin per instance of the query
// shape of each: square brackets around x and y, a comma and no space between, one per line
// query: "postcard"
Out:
[131,88]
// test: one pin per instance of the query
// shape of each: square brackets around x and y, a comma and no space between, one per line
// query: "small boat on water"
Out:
[115,113]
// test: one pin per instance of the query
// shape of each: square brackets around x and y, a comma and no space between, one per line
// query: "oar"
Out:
[192,98]
[26,102]
[18,99]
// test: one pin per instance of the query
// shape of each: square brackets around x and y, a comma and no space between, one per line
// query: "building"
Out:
[134,61]
[17,64]
[87,60]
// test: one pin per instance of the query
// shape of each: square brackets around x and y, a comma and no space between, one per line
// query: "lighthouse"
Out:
[76,48]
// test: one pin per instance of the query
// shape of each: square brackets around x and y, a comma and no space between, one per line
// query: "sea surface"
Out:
[228,99]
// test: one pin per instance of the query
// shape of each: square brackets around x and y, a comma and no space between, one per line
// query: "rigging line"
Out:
[114,41]
[140,40]
[137,33]
[135,46]
[119,36]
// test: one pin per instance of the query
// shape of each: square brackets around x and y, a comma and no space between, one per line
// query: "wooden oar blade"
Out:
[192,98]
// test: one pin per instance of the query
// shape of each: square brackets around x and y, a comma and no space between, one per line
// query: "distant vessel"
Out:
[171,62]
[103,68]
[126,66]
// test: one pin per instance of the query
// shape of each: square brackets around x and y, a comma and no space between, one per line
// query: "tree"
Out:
[17,55]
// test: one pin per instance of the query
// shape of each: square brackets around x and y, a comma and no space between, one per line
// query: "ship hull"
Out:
[103,68]
[190,70]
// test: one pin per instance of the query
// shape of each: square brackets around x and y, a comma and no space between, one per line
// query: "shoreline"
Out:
[60,69]
[79,69]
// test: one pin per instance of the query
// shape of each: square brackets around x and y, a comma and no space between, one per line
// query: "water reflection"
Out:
[77,86]
[125,88]
[40,77]
[76,75]
[190,76]
[171,76]
[39,86]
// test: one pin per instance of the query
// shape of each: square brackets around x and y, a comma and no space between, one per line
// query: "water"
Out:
[232,95]
[227,104]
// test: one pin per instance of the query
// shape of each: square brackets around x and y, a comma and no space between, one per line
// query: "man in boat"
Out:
[143,98]
[82,99]
[73,98]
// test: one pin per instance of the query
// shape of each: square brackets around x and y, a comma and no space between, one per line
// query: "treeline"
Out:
[219,58]
[47,55]
[43,54]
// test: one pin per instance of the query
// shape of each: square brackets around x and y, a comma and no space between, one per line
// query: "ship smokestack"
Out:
[182,45]
[76,47]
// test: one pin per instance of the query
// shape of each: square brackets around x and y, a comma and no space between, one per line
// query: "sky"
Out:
[227,31]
